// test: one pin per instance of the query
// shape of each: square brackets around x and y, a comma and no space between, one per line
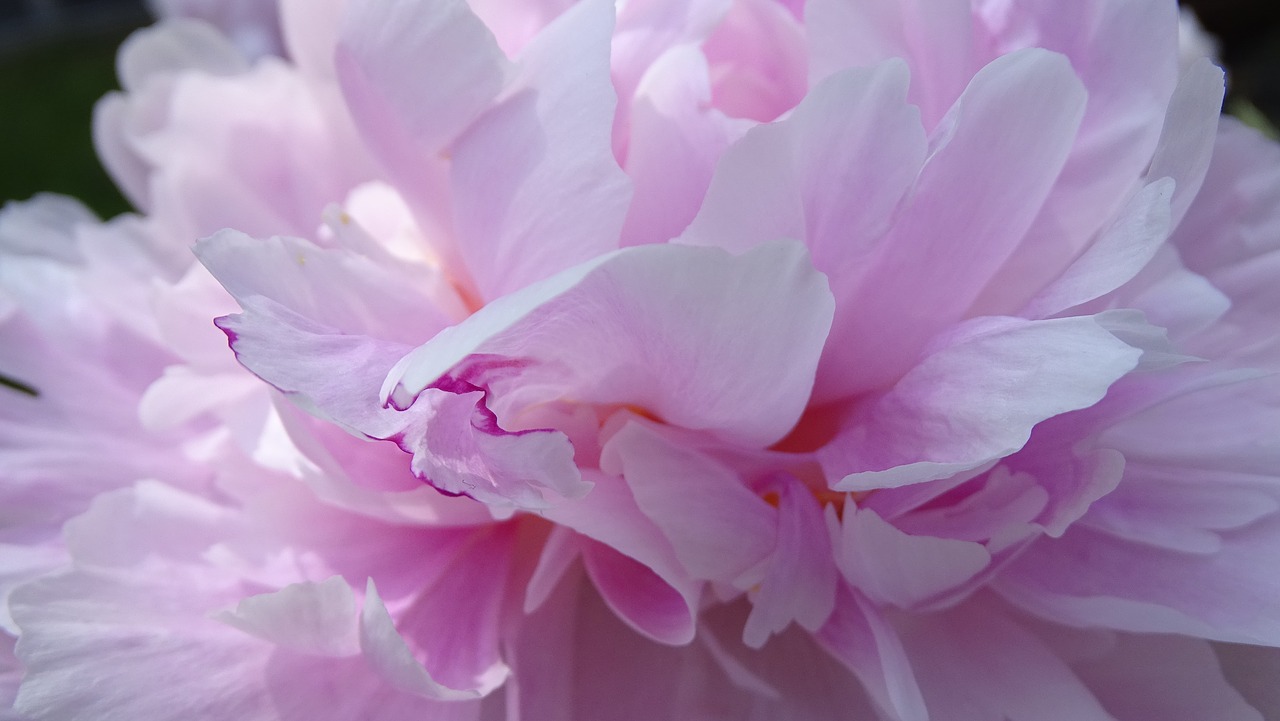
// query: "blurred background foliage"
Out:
[57,57]
[46,101]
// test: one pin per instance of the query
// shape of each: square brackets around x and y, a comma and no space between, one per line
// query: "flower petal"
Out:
[640,597]
[861,638]
[536,188]
[383,46]
[903,569]
[975,663]
[699,338]
[1017,121]
[718,527]
[853,136]
[976,399]
[389,655]
[799,583]
[315,618]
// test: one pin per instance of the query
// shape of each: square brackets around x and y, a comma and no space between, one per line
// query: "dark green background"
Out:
[46,102]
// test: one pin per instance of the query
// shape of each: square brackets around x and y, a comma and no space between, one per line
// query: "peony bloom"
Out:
[711,359]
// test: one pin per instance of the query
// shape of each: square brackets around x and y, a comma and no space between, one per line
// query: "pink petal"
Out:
[1001,512]
[389,655]
[1121,52]
[674,143]
[1252,671]
[610,516]
[1092,578]
[147,62]
[1164,677]
[718,527]
[514,25]
[558,553]
[976,399]
[1017,119]
[1186,142]
[646,30]
[860,637]
[314,618]
[800,581]
[1117,255]
[407,117]
[459,447]
[263,152]
[336,287]
[536,188]
[97,646]
[174,47]
[976,664]
[73,623]
[770,78]
[1227,237]
[330,374]
[382,48]
[853,136]
[640,597]
[311,29]
[903,569]
[935,39]
[650,327]
[571,651]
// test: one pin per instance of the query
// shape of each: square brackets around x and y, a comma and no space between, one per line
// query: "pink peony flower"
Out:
[713,359]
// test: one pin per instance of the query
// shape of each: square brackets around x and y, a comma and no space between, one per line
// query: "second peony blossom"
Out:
[724,359]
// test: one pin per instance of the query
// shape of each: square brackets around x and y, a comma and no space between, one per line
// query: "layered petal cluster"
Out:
[750,359]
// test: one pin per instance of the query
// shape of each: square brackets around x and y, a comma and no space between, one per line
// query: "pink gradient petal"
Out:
[388,654]
[341,381]
[1119,253]
[648,347]
[174,47]
[1121,50]
[1020,373]
[718,527]
[903,569]
[235,151]
[514,25]
[1137,587]
[1164,677]
[610,516]
[1252,671]
[860,637]
[360,296]
[770,79]
[379,51]
[311,29]
[536,186]
[1186,142]
[670,683]
[646,30]
[459,448]
[799,583]
[935,39]
[675,141]
[640,597]
[831,174]
[407,117]
[975,664]
[315,618]
[1017,120]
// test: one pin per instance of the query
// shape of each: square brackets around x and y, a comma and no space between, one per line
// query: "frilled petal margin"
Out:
[699,338]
